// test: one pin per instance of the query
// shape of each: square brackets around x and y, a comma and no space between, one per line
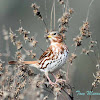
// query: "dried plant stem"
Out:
[54,15]
[97,48]
[67,78]
[96,57]
[52,10]
[67,5]
[51,17]
[7,49]
[46,9]
[63,96]
[89,9]
[71,97]
[40,48]
[92,90]
[89,56]
[45,24]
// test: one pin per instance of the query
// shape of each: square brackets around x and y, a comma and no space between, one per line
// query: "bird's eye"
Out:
[54,34]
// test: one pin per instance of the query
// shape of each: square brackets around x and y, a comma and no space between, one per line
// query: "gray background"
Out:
[81,73]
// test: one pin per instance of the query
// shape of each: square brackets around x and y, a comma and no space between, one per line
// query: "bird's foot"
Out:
[52,83]
[60,80]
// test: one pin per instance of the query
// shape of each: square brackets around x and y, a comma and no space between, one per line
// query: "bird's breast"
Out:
[59,62]
[55,61]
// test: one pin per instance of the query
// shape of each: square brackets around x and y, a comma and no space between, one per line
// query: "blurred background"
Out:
[81,72]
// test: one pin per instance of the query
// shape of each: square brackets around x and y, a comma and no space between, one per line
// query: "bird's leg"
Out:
[58,80]
[50,82]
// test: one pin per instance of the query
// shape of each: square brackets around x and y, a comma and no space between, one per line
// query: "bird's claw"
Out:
[53,83]
[60,80]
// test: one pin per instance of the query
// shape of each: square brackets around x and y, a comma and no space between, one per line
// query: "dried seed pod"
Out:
[73,56]
[5,33]
[31,39]
[12,36]
[57,89]
[21,96]
[18,55]
[64,20]
[97,77]
[38,14]
[18,45]
[38,84]
[94,84]
[62,29]
[69,91]
[84,50]
[93,42]
[33,55]
[25,32]
[26,38]
[20,30]
[98,73]
[33,43]
[91,46]
[97,65]
[87,51]
[45,98]
[23,68]
[61,2]
[66,15]
[71,10]
[30,72]
[1,68]
[58,75]
[64,36]
[70,60]
[35,6]
[36,11]
[84,30]
[78,40]
[30,53]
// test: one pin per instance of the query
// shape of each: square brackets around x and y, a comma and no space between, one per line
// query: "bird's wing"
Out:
[47,53]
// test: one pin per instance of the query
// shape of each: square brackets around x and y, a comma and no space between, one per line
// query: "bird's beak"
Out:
[49,36]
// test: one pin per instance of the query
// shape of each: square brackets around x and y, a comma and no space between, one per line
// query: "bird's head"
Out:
[54,36]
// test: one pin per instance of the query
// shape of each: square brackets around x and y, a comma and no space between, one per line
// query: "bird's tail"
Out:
[34,63]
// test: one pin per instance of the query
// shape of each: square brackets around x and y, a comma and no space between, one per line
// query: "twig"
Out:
[89,10]
[54,14]
[51,16]
[92,90]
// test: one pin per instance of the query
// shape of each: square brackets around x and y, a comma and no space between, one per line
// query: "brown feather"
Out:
[47,53]
[23,62]
[12,62]
[30,62]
